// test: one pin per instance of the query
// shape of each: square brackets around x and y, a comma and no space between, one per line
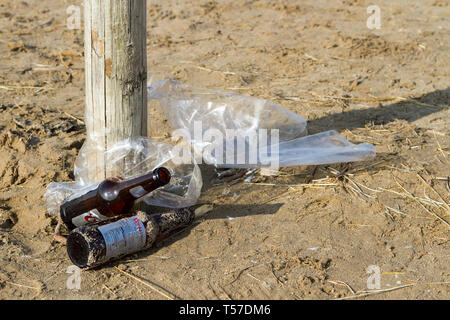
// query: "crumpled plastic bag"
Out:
[184,105]
[134,157]
[193,112]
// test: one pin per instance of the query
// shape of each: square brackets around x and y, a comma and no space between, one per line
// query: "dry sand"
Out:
[272,241]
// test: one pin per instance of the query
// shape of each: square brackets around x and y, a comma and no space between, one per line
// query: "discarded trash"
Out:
[111,198]
[322,148]
[191,113]
[184,105]
[135,156]
[215,123]
[94,244]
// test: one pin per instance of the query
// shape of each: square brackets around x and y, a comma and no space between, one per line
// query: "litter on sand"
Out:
[222,129]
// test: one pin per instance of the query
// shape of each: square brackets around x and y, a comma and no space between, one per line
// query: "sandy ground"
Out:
[316,58]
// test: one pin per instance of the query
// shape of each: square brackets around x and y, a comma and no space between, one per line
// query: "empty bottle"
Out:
[94,244]
[111,198]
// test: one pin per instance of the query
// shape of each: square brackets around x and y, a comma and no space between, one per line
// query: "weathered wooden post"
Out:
[116,75]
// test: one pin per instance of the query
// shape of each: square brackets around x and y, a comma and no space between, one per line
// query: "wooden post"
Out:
[116,75]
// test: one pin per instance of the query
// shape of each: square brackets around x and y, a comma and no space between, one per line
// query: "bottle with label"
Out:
[94,244]
[111,198]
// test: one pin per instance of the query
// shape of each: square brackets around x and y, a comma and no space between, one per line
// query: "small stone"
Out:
[305,281]
[7,219]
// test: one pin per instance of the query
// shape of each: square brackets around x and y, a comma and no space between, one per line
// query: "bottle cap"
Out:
[162,175]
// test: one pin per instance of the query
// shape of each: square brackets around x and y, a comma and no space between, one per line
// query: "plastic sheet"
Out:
[185,105]
[323,148]
[195,112]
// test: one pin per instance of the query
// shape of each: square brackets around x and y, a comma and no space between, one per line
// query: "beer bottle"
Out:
[111,198]
[91,245]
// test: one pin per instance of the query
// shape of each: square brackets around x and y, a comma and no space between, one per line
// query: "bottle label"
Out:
[88,217]
[123,237]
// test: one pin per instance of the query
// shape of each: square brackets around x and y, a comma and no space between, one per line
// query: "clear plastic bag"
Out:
[323,148]
[185,105]
[198,111]
[133,157]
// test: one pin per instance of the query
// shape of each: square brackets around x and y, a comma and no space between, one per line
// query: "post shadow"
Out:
[382,114]
[221,212]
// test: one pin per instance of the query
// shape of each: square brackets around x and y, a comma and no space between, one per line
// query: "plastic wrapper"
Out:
[195,112]
[184,106]
[323,148]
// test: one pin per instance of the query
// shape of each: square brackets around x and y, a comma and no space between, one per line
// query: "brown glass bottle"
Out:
[111,198]
[94,244]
